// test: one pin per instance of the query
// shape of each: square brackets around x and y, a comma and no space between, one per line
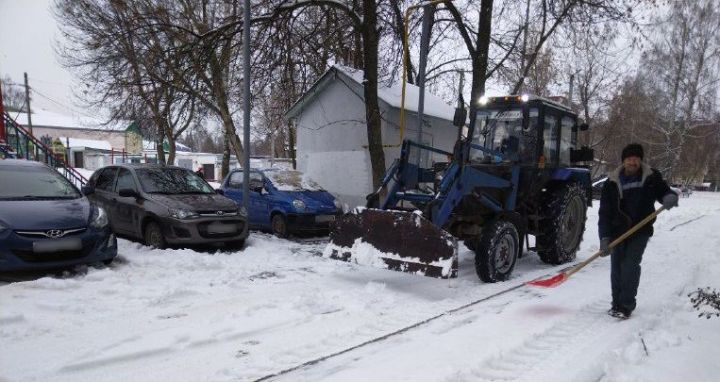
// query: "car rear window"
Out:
[172,181]
[35,182]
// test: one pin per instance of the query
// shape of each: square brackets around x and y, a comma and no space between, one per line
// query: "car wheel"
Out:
[154,236]
[279,226]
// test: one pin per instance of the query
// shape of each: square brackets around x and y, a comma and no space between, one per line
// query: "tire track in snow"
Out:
[394,333]
[93,360]
[513,363]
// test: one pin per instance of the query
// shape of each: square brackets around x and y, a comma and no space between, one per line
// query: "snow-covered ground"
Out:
[182,315]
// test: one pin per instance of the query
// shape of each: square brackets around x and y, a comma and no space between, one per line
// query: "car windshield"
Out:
[172,181]
[287,180]
[34,182]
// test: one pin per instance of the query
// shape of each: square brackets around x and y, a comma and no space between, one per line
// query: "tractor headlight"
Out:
[100,219]
[483,100]
[299,204]
[183,214]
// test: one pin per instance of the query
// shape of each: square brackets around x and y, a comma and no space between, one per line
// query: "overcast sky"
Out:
[28,34]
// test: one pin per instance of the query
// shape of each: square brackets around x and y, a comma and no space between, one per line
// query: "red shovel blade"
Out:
[550,282]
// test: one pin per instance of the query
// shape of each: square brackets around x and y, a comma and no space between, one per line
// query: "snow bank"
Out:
[186,315]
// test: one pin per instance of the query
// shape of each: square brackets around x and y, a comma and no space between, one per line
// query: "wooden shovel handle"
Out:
[615,242]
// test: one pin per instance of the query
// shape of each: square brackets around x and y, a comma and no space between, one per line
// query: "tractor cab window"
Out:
[498,130]
[550,138]
[567,139]
[529,140]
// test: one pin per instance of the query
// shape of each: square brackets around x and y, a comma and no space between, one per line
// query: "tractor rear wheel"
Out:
[496,250]
[562,225]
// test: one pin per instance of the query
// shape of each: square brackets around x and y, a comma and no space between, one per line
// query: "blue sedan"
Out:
[283,201]
[45,222]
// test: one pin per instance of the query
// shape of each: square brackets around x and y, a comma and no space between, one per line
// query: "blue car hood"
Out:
[34,215]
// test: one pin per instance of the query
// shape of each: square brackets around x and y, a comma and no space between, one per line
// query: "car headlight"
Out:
[242,211]
[2,228]
[183,214]
[299,205]
[100,220]
[337,204]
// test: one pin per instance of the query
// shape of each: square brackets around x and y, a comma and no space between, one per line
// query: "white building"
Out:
[332,133]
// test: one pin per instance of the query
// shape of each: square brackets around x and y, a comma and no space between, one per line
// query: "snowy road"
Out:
[182,315]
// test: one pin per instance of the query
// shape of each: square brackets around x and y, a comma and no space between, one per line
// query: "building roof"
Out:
[391,95]
[88,143]
[149,145]
[46,118]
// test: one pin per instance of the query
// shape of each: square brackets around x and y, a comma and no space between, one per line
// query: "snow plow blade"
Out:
[395,240]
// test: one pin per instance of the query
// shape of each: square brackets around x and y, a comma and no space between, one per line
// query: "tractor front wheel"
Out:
[562,225]
[496,250]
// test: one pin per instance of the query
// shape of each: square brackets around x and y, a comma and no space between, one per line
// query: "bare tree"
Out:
[13,96]
[107,49]
[683,67]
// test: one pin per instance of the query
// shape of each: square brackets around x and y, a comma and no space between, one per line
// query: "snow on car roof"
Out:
[289,180]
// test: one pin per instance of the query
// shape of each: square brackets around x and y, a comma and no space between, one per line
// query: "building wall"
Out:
[332,140]
[115,137]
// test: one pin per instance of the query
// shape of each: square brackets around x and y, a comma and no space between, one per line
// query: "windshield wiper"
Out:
[194,192]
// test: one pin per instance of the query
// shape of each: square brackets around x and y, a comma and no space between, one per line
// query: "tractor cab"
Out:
[528,130]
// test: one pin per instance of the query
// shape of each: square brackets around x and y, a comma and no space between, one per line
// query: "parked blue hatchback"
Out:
[284,201]
[45,222]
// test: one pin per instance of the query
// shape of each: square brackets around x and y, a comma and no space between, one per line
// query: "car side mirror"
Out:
[220,191]
[87,190]
[128,193]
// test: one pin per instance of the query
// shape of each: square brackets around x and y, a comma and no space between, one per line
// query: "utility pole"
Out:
[570,92]
[2,117]
[428,15]
[27,103]
[246,107]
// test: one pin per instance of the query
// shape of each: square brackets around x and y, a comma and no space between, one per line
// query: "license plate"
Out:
[324,218]
[221,228]
[57,245]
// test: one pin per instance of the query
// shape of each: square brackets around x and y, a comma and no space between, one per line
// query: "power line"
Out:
[66,107]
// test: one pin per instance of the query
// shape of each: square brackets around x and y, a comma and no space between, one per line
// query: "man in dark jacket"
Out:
[629,196]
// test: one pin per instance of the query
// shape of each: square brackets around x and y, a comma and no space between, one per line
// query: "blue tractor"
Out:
[515,171]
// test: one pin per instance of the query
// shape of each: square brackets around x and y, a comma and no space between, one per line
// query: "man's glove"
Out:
[670,200]
[605,246]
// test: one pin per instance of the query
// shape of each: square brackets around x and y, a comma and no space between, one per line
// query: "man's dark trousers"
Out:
[625,272]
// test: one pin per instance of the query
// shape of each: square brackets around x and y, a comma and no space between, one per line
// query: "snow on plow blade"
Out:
[395,240]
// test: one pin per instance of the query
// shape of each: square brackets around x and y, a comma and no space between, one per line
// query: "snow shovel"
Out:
[564,275]
[395,240]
